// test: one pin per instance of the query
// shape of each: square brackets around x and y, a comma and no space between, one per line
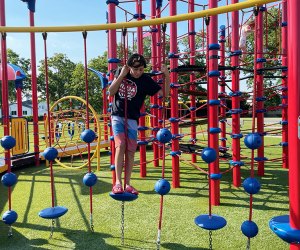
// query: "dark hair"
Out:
[136,58]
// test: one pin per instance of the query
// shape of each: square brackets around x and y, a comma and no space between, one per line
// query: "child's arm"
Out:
[113,88]
[165,70]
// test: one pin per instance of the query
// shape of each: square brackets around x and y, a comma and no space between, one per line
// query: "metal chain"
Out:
[91,223]
[210,239]
[9,231]
[122,222]
[52,228]
[158,240]
[248,244]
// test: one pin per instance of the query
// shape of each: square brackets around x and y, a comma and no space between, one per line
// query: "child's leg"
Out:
[120,146]
[131,148]
[129,167]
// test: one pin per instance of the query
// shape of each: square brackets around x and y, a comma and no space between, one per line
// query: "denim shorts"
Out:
[118,127]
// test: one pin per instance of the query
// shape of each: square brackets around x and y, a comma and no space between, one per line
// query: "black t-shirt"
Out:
[137,90]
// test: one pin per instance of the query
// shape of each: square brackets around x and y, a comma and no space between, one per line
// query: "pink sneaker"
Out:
[117,189]
[131,189]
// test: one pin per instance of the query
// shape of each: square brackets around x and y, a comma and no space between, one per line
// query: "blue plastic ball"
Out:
[251,185]
[9,179]
[209,155]
[249,229]
[9,217]
[162,187]
[253,140]
[89,179]
[112,167]
[50,153]
[88,135]
[8,142]
[164,135]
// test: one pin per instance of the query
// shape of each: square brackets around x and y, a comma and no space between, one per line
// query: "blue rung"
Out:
[214,73]
[214,46]
[236,163]
[235,53]
[214,102]
[214,130]
[175,153]
[236,136]
[114,60]
[260,159]
[215,176]
[123,196]
[235,93]
[53,212]
[280,225]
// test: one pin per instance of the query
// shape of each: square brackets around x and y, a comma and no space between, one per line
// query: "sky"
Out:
[73,12]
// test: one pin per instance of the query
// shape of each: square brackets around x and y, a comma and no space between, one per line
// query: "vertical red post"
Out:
[174,94]
[294,114]
[142,121]
[112,53]
[260,90]
[213,121]
[192,44]
[160,58]
[4,77]
[222,84]
[5,104]
[34,92]
[154,98]
[236,145]
[284,122]
[19,101]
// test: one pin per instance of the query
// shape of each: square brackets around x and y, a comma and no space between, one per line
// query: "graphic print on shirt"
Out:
[131,89]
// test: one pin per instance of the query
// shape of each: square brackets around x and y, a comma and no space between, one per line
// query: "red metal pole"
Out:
[5,103]
[236,146]
[174,95]
[284,122]
[140,50]
[260,91]
[154,99]
[19,101]
[192,44]
[294,114]
[112,53]
[34,92]
[213,121]
[160,58]
[222,86]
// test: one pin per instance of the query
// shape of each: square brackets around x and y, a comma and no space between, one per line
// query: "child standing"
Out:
[137,85]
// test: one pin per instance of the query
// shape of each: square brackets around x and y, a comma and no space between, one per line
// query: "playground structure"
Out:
[216,74]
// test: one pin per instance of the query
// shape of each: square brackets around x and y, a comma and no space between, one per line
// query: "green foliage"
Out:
[272,45]
[24,64]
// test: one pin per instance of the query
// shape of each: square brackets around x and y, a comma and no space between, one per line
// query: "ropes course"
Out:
[73,129]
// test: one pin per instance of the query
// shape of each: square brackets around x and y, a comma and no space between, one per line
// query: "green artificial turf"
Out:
[72,231]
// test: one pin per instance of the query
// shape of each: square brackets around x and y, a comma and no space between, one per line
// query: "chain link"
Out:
[122,222]
[52,228]
[91,223]
[210,239]
[248,244]
[158,240]
[9,231]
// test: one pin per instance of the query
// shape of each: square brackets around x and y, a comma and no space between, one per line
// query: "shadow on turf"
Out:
[175,246]
[76,240]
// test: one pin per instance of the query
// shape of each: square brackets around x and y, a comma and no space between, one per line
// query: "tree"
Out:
[60,70]
[24,64]
[272,50]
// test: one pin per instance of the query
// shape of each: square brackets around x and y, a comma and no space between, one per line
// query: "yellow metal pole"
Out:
[133,24]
